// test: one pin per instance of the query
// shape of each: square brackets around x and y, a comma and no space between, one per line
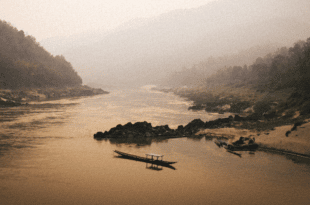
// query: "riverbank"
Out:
[241,100]
[272,118]
[17,97]
[291,138]
[278,119]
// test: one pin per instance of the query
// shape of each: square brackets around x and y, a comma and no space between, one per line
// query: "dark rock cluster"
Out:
[8,103]
[145,129]
[138,129]
[296,124]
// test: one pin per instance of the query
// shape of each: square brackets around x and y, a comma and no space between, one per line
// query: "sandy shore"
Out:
[297,141]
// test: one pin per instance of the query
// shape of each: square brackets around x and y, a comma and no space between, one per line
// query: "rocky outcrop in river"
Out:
[145,129]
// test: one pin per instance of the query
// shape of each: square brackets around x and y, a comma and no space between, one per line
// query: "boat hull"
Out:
[236,147]
[248,147]
[143,159]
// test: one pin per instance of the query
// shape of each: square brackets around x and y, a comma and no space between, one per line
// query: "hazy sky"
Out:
[48,18]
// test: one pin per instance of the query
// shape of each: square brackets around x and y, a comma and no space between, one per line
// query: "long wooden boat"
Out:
[232,148]
[150,158]
[236,147]
[245,147]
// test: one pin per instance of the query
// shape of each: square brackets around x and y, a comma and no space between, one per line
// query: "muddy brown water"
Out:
[48,156]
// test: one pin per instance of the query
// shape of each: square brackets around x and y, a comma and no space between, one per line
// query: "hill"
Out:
[145,52]
[26,64]
[273,86]
[28,72]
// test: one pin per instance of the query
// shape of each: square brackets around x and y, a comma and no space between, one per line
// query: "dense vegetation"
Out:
[285,68]
[196,74]
[274,86]
[25,64]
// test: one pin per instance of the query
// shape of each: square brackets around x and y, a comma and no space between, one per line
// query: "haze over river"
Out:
[48,156]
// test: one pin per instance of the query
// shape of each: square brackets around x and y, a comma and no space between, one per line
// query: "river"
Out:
[48,156]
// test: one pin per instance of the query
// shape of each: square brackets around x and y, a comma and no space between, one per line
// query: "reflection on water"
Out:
[298,159]
[133,141]
[149,165]
[155,167]
[21,126]
[48,156]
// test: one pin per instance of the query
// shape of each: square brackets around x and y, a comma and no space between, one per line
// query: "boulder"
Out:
[195,125]
[99,135]
[221,122]
[238,118]
[148,134]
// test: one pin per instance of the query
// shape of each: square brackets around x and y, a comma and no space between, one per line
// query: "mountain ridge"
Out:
[146,52]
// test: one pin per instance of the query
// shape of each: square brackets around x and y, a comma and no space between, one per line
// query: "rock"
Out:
[142,126]
[239,106]
[221,122]
[180,127]
[195,125]
[238,118]
[147,134]
[167,128]
[296,125]
[99,135]
[270,115]
[253,117]
[145,129]
[8,102]
[128,125]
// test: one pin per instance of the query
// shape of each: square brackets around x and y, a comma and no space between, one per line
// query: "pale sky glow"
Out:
[43,19]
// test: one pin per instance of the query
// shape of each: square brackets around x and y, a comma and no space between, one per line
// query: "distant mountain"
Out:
[146,51]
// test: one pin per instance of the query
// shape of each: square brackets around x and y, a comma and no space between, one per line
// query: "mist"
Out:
[146,51]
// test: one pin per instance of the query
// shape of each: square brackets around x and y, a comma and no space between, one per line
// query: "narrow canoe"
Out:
[236,147]
[143,159]
[245,147]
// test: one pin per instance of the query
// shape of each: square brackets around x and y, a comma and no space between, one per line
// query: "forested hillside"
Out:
[285,68]
[24,63]
[274,85]
[196,74]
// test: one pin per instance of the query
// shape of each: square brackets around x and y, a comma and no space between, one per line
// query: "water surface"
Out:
[48,156]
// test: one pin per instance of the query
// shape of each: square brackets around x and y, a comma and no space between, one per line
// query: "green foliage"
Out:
[24,63]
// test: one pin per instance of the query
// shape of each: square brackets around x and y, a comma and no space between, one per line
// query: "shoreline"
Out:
[23,96]
[276,139]
[296,143]
[277,119]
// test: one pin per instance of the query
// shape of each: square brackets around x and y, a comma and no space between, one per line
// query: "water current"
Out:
[48,156]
